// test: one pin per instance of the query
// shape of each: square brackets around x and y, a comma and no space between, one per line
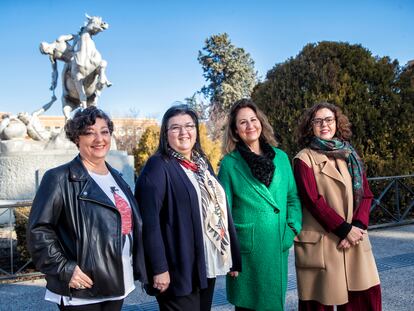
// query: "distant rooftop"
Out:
[123,125]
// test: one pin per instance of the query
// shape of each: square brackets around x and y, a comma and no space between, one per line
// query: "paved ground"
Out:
[393,249]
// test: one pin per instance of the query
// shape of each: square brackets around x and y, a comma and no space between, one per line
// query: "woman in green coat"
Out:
[262,196]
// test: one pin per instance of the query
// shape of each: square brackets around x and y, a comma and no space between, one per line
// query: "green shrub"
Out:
[21,215]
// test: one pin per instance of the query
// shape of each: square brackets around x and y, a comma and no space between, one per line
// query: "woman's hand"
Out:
[355,235]
[344,244]
[162,281]
[234,274]
[80,280]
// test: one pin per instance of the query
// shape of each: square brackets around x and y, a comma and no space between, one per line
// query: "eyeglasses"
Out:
[319,122]
[175,128]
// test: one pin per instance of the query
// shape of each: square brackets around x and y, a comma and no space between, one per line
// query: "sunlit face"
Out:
[96,142]
[248,126]
[324,124]
[182,134]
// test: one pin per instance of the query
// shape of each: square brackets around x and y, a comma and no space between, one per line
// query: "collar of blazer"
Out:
[91,191]
[327,168]
[241,166]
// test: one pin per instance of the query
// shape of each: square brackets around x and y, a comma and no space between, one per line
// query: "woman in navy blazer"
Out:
[189,236]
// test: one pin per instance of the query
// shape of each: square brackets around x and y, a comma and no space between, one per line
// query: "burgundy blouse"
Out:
[330,220]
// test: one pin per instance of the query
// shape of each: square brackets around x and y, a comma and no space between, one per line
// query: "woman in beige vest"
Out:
[333,257]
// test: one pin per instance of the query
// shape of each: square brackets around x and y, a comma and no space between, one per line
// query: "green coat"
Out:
[264,218]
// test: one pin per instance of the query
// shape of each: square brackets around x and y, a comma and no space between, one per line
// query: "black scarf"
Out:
[261,166]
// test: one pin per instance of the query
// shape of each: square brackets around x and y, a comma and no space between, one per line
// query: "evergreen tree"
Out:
[368,90]
[403,118]
[230,73]
[199,105]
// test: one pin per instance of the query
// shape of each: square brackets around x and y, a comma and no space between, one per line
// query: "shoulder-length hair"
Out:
[176,110]
[231,137]
[305,129]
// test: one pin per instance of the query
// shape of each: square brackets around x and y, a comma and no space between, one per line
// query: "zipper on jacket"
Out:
[100,203]
[119,231]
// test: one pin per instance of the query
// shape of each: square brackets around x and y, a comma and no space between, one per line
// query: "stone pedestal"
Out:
[21,172]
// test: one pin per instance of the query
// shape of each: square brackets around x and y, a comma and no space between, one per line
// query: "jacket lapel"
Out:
[326,167]
[90,191]
[244,170]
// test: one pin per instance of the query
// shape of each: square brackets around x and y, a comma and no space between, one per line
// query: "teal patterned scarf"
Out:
[342,149]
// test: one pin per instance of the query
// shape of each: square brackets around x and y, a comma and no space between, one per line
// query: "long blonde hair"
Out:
[231,137]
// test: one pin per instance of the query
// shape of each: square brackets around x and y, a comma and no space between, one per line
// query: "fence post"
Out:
[397,198]
[11,240]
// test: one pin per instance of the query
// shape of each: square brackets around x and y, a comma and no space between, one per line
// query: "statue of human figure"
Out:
[60,49]
[34,127]
[83,76]
[4,122]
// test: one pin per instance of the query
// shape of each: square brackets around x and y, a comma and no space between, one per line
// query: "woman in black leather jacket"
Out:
[85,229]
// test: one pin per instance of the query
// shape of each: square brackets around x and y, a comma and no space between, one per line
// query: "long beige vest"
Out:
[325,273]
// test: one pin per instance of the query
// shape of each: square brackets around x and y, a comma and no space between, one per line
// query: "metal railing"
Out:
[395,204]
[15,267]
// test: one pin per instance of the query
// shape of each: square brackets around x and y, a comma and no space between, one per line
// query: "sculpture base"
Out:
[20,145]
[21,172]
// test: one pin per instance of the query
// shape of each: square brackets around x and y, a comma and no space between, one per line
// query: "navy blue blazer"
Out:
[172,232]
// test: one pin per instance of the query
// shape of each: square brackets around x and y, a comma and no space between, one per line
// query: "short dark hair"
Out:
[83,118]
[176,110]
[231,137]
[305,129]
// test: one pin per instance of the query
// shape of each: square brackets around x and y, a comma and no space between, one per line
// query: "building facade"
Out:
[124,128]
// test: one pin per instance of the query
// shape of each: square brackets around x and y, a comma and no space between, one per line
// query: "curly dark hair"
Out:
[305,130]
[83,118]
[231,137]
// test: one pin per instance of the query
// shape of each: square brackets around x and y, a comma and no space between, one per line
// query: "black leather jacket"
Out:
[73,222]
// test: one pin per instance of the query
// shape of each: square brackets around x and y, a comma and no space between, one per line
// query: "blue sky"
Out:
[152,46]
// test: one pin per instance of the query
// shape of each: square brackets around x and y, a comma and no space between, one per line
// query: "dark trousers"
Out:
[198,300]
[236,308]
[365,300]
[110,305]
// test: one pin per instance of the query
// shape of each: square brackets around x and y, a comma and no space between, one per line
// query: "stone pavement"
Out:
[393,249]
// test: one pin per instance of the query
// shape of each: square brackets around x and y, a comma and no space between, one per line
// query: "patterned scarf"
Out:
[343,150]
[213,201]
[261,166]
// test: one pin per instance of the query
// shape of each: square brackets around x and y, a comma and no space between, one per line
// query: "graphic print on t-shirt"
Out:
[124,210]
